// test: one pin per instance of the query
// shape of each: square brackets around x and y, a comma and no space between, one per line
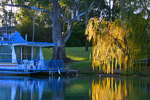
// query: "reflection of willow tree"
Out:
[107,89]
[112,44]
[110,89]
[109,44]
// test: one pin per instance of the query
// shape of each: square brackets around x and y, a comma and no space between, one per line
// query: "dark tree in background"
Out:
[77,38]
[42,31]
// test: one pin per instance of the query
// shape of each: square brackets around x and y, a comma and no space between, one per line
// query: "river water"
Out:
[77,88]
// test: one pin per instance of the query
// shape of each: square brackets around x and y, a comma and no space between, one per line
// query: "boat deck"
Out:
[45,66]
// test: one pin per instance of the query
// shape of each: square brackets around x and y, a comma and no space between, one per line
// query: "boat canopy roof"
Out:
[17,39]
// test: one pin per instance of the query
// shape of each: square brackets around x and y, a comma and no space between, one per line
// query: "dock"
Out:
[71,72]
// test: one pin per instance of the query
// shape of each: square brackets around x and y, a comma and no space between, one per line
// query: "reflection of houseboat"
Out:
[26,88]
[21,56]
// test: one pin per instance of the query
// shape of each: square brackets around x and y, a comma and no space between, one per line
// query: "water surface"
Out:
[83,88]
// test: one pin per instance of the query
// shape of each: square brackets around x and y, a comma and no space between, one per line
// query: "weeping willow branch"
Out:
[109,44]
[118,44]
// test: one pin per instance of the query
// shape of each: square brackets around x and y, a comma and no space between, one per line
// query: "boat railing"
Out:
[56,64]
[28,64]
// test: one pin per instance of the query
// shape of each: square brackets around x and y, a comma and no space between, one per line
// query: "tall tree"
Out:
[34,16]
[55,12]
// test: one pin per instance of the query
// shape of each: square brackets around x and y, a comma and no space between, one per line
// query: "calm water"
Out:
[27,88]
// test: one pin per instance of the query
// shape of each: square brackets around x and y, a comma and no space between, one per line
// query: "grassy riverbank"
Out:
[80,57]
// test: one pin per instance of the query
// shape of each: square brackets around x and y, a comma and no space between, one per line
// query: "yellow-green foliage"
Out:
[112,44]
[139,37]
[108,43]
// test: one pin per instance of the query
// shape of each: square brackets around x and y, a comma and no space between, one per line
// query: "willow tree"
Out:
[109,44]
[119,43]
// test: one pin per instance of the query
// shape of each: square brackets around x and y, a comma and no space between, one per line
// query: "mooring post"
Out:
[58,71]
[49,72]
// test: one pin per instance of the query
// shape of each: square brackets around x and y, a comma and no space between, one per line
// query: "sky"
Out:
[14,9]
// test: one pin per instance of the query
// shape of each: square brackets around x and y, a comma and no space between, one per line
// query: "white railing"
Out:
[31,65]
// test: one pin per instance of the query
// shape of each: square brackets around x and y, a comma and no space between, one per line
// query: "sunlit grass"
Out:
[78,54]
[75,53]
[76,58]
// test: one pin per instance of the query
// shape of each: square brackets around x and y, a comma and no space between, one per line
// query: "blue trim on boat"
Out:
[46,66]
[17,39]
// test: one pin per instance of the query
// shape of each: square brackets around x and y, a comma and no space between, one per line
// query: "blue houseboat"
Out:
[17,55]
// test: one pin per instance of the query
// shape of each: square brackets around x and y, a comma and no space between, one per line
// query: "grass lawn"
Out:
[81,57]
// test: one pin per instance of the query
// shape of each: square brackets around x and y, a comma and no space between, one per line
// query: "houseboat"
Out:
[19,56]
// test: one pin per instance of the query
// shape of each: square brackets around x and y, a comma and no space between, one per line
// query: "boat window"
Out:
[5,53]
[26,52]
[36,53]
[18,53]
[5,49]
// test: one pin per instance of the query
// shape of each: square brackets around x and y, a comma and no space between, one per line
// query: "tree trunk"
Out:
[33,29]
[86,41]
[59,49]
[109,9]
[86,44]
